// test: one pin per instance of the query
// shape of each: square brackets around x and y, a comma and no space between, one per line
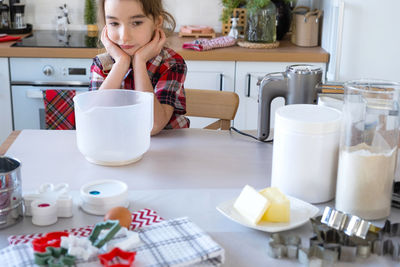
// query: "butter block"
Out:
[251,204]
[279,208]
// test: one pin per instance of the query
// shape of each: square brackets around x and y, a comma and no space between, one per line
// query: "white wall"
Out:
[43,13]
[368,46]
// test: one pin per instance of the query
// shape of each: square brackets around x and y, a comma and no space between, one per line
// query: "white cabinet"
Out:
[209,75]
[5,100]
[247,75]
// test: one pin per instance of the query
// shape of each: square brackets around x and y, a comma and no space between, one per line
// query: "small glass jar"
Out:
[19,17]
[261,25]
[5,22]
[368,148]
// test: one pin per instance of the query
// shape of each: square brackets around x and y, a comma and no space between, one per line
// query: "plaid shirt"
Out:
[167,73]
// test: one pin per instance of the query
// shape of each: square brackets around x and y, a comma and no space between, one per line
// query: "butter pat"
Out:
[279,208]
[251,204]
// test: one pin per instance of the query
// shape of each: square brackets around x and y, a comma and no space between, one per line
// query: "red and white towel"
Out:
[143,217]
[208,44]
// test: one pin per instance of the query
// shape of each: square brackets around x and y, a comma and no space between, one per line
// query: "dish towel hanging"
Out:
[8,38]
[59,109]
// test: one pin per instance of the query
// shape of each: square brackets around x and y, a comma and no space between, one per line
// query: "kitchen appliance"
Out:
[4,17]
[305,31]
[18,21]
[31,76]
[113,127]
[368,148]
[306,134]
[47,38]
[11,204]
[297,85]
[359,37]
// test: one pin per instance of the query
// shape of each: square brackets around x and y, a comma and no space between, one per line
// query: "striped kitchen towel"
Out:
[203,44]
[59,109]
[177,242]
[140,218]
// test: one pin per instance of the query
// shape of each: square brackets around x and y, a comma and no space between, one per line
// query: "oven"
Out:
[31,76]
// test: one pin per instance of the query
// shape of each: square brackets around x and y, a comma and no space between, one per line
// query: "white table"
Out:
[184,173]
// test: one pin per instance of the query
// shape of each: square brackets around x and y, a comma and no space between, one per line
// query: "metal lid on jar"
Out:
[304,69]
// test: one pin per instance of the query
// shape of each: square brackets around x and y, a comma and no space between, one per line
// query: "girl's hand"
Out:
[152,48]
[114,50]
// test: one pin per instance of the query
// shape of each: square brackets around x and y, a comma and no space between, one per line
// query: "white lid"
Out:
[308,119]
[104,191]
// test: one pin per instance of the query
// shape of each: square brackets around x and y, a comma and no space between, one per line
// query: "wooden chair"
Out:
[212,104]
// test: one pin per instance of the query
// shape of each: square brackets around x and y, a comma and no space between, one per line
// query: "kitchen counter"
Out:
[286,52]
[187,189]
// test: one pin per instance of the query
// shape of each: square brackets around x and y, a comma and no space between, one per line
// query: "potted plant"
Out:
[261,21]
[229,6]
[90,16]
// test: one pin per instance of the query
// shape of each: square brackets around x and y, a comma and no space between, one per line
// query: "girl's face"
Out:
[127,26]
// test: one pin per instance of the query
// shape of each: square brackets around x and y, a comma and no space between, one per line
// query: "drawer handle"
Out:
[34,94]
[248,84]
[221,81]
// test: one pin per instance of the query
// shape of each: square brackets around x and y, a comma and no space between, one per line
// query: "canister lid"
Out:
[303,69]
[99,196]
[308,119]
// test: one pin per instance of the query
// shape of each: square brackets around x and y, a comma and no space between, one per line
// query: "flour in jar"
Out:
[365,180]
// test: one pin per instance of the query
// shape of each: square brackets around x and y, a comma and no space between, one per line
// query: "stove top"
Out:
[47,38]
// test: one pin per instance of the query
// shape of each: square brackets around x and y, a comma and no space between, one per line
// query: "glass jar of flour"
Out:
[368,148]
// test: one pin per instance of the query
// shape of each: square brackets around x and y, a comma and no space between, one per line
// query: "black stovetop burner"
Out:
[47,38]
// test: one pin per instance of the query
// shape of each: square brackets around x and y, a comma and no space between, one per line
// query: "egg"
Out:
[123,215]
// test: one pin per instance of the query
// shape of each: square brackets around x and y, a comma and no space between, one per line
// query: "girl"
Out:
[136,58]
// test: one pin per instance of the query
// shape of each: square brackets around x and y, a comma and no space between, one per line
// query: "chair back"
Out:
[220,105]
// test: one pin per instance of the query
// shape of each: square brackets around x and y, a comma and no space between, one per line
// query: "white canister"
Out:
[305,153]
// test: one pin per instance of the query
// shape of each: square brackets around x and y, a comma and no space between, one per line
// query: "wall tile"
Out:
[43,13]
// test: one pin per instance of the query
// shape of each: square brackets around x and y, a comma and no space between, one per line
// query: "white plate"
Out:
[300,213]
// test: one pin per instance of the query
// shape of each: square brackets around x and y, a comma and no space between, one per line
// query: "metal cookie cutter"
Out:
[283,246]
[49,203]
[351,225]
[347,247]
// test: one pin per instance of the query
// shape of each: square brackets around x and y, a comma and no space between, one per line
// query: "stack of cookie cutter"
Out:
[49,203]
[339,237]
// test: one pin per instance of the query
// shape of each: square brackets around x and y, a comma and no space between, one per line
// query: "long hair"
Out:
[151,8]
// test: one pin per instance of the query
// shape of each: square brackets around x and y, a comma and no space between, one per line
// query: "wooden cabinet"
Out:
[5,100]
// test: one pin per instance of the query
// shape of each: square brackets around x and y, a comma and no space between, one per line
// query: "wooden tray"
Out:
[257,45]
[197,35]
